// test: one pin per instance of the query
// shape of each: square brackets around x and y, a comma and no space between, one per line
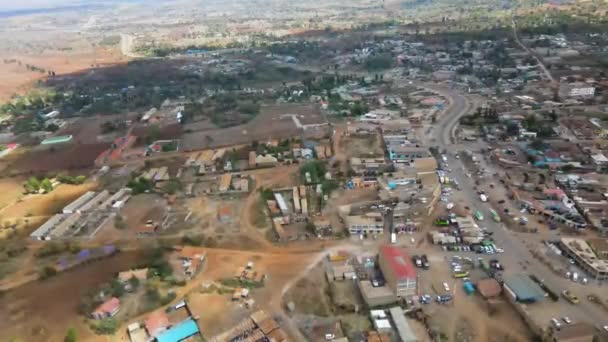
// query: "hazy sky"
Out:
[17,4]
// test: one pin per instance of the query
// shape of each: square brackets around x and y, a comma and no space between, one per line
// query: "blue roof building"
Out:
[179,332]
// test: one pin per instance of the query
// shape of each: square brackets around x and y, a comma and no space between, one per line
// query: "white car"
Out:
[412,241]
[500,250]
[483,198]
[567,320]
[556,323]
[446,287]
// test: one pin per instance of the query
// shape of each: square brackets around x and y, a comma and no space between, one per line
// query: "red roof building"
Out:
[398,270]
[107,309]
[156,323]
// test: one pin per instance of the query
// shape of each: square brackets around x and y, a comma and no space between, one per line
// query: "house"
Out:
[179,332]
[265,160]
[224,213]
[398,270]
[109,308]
[407,154]
[489,288]
[156,323]
[141,274]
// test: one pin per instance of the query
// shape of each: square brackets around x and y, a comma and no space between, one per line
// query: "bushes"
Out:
[106,326]
[53,248]
[47,272]
[75,180]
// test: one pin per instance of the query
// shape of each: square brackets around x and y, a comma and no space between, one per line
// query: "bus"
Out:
[495,216]
[461,274]
[478,215]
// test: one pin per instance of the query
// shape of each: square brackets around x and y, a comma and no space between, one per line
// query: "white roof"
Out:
[382,324]
[378,313]
[599,158]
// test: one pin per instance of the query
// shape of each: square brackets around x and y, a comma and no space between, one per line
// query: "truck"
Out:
[461,274]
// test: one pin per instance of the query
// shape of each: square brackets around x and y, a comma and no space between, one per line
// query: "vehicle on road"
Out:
[425,262]
[461,274]
[495,216]
[567,320]
[556,323]
[483,198]
[446,287]
[444,299]
[573,299]
[478,215]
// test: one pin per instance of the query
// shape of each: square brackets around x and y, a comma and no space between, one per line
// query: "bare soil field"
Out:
[15,78]
[71,156]
[44,310]
[46,204]
[271,123]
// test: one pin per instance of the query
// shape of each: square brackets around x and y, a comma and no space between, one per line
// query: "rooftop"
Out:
[524,288]
[179,332]
[399,261]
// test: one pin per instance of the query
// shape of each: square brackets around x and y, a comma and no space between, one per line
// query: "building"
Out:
[398,270]
[225,181]
[370,223]
[156,323]
[109,308]
[78,203]
[576,332]
[376,295]
[407,154]
[585,257]
[489,288]
[224,214]
[265,160]
[179,332]
[520,288]
[599,247]
[125,276]
[405,332]
[368,165]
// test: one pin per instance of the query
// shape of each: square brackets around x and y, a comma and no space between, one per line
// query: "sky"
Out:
[27,4]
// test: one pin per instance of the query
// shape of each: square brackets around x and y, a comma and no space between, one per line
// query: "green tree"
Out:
[106,326]
[70,336]
[134,282]
[46,185]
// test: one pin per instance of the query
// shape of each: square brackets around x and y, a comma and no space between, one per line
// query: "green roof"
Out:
[56,140]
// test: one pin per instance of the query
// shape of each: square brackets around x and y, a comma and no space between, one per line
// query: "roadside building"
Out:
[520,288]
[407,154]
[576,332]
[489,288]
[109,308]
[265,160]
[398,270]
[585,257]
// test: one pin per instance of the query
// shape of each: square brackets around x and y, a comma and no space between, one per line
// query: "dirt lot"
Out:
[29,211]
[43,311]
[368,146]
[15,78]
[70,156]
[271,123]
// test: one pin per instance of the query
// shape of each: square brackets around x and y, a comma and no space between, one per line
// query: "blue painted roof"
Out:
[179,332]
[524,288]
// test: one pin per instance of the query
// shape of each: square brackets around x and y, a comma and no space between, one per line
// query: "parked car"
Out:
[567,320]
[446,287]
[556,323]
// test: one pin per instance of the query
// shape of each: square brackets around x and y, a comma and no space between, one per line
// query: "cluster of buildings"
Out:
[84,216]
[174,324]
[259,326]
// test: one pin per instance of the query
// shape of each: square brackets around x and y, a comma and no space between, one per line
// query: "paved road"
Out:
[538,60]
[516,252]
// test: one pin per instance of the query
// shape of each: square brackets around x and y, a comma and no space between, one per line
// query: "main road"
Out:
[517,256]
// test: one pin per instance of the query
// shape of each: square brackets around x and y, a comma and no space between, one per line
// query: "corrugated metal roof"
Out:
[403,328]
[524,288]
[179,332]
